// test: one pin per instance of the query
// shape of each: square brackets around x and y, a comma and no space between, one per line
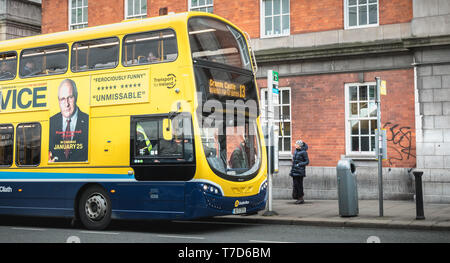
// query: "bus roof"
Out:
[124,27]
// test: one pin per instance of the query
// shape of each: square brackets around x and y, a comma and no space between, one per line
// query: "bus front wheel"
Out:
[95,208]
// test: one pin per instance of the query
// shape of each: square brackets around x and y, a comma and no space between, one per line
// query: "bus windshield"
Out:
[214,41]
[231,145]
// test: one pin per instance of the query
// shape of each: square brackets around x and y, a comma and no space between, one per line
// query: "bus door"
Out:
[162,156]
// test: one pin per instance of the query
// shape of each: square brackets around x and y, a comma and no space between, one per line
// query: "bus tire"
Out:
[94,208]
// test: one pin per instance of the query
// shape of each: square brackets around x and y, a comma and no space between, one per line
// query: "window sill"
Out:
[284,156]
[361,157]
[274,36]
[361,27]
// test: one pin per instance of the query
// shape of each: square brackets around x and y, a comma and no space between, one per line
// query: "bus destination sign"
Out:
[224,88]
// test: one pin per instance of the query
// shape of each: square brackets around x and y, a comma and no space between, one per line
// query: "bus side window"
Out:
[6,144]
[8,65]
[28,144]
[149,48]
[180,145]
[151,145]
[44,61]
[146,143]
[95,54]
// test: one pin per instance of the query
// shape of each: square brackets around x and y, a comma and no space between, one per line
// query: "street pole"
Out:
[269,143]
[380,146]
[269,129]
[269,177]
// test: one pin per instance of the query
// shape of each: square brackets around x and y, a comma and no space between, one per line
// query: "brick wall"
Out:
[55,16]
[318,115]
[322,15]
[398,11]
[102,12]
[398,116]
[245,14]
[326,15]
[176,6]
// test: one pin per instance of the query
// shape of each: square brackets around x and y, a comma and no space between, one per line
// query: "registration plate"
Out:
[239,210]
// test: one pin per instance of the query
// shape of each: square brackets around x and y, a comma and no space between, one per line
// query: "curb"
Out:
[353,222]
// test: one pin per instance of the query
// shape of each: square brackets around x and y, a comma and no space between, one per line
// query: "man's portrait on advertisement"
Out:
[69,128]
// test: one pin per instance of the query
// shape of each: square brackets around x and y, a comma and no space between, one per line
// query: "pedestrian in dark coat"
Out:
[299,161]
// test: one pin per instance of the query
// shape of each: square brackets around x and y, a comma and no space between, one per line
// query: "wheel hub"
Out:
[95,207]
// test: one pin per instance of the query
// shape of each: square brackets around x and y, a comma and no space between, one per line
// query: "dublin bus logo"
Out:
[5,189]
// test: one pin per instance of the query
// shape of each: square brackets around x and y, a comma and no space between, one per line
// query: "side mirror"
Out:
[167,129]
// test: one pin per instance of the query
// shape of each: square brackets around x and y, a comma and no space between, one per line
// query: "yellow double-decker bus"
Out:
[150,119]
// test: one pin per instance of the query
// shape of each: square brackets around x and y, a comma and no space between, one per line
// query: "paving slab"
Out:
[397,214]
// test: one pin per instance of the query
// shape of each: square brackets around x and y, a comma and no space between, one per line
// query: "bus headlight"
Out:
[263,186]
[210,189]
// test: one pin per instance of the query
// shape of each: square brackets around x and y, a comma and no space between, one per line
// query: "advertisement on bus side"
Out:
[69,123]
[68,102]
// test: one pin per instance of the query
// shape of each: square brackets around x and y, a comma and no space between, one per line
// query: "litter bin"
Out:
[347,188]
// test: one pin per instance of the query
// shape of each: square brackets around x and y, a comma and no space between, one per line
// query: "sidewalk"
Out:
[397,214]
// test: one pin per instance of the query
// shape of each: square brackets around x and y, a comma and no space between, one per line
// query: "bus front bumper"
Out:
[204,203]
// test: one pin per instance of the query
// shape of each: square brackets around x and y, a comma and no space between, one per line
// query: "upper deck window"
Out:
[150,47]
[8,65]
[95,54]
[214,41]
[43,61]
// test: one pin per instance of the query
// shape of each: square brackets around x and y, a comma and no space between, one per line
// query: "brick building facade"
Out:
[328,53]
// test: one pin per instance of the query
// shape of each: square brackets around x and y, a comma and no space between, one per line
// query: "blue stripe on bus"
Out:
[41,175]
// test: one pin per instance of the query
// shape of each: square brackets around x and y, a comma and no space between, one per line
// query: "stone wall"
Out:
[321,182]
[19,18]
[431,24]
[433,122]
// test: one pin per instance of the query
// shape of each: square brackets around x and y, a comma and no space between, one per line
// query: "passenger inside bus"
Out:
[5,71]
[216,153]
[151,58]
[28,69]
[239,157]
